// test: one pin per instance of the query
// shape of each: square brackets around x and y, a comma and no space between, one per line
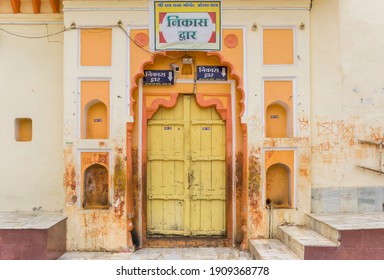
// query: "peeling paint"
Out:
[254,185]
[239,184]
[70,176]
[119,184]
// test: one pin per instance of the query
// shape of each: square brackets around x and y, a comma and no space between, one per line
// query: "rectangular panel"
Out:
[278,47]
[96,47]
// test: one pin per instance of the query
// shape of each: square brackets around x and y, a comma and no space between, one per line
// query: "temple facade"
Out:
[190,123]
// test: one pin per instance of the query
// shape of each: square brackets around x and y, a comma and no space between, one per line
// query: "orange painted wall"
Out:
[93,92]
[278,46]
[95,47]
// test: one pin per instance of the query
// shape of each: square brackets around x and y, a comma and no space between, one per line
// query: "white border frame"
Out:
[264,180]
[78,109]
[79,186]
[295,129]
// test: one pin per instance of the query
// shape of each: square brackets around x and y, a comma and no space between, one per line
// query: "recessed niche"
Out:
[97,122]
[278,109]
[23,129]
[95,115]
[278,186]
[276,121]
[96,187]
[279,178]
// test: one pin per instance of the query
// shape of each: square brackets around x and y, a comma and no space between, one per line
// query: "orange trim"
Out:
[151,60]
[36,4]
[152,109]
[234,75]
[213,102]
[55,6]
[16,6]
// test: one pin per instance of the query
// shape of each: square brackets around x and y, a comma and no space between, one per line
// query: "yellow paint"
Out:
[278,108]
[279,166]
[186,171]
[23,129]
[95,109]
[96,47]
[278,46]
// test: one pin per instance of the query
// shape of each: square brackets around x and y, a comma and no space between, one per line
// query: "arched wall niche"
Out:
[96,187]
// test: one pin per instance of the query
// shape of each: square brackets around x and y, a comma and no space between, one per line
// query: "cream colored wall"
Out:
[31,86]
[347,104]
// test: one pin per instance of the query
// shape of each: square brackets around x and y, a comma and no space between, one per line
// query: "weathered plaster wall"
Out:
[134,14]
[31,87]
[95,229]
[347,100]
[258,224]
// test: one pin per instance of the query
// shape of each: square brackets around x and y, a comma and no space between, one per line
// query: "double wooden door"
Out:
[186,171]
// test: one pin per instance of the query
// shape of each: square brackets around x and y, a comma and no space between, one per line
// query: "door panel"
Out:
[186,171]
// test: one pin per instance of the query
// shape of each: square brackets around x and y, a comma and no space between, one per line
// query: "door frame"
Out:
[225,110]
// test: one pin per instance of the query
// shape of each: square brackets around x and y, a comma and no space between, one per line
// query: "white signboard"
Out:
[186,25]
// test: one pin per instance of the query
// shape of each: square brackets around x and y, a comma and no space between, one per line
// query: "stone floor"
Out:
[352,220]
[163,254]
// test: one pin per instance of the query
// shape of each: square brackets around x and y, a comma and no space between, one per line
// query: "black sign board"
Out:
[212,73]
[158,77]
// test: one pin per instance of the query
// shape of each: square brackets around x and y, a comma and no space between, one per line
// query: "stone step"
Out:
[270,249]
[298,238]
[325,229]
[34,235]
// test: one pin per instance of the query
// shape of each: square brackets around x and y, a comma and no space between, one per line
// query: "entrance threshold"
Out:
[185,242]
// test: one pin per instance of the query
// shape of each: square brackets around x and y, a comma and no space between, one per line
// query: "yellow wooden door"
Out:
[186,192]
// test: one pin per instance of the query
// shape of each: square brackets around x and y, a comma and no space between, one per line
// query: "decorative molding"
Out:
[160,101]
[207,100]
[231,41]
[141,39]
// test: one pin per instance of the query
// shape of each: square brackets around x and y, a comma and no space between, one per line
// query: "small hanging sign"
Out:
[212,73]
[158,77]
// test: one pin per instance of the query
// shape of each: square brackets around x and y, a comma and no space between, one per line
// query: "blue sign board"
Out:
[212,73]
[158,77]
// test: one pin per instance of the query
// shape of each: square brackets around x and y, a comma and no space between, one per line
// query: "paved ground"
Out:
[163,254]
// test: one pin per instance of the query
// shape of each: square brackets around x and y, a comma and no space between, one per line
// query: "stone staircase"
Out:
[346,236]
